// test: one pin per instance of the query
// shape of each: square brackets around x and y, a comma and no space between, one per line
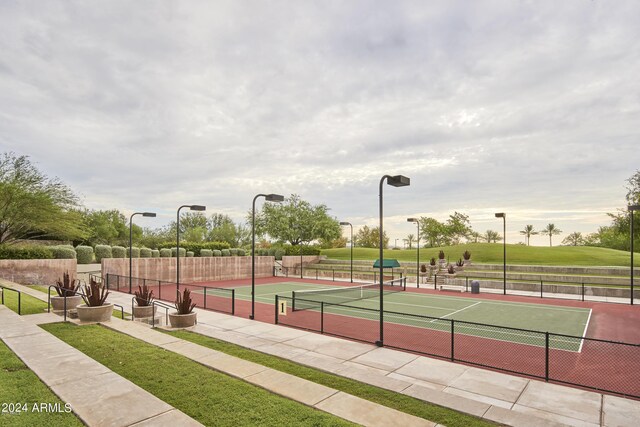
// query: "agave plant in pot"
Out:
[459,265]
[66,288]
[95,308]
[184,317]
[467,257]
[441,260]
[144,302]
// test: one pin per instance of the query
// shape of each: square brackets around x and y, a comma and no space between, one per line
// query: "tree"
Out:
[33,206]
[370,237]
[457,228]
[528,232]
[432,231]
[491,236]
[109,227]
[475,236]
[551,231]
[410,238]
[296,221]
[574,239]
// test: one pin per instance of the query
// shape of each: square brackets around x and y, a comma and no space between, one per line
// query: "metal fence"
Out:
[334,273]
[207,297]
[602,365]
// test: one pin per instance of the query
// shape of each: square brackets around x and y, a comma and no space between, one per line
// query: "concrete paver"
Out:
[551,416]
[432,370]
[331,346]
[170,418]
[412,380]
[291,386]
[447,400]
[492,384]
[514,418]
[384,358]
[620,412]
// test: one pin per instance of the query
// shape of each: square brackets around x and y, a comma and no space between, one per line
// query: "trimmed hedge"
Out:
[206,252]
[135,252]
[241,252]
[145,253]
[189,254]
[63,252]
[165,253]
[155,253]
[226,252]
[195,247]
[33,252]
[306,250]
[217,252]
[85,254]
[119,251]
[103,251]
[233,251]
[183,251]
[278,254]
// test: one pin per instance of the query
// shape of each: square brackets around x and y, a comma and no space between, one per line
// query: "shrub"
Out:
[183,302]
[233,251]
[33,252]
[226,252]
[278,254]
[183,251]
[165,253]
[206,252]
[103,251]
[119,251]
[155,253]
[306,250]
[271,251]
[466,255]
[241,252]
[63,252]
[95,294]
[189,254]
[85,254]
[145,253]
[66,286]
[195,247]
[135,252]
[217,252]
[144,296]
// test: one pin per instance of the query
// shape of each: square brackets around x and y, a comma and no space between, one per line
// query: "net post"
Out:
[322,317]
[277,308]
[453,358]
[546,356]
[233,301]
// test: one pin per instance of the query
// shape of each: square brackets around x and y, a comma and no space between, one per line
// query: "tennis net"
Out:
[305,300]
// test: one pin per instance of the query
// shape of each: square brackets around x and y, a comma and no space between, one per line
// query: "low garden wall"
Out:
[291,261]
[37,271]
[200,269]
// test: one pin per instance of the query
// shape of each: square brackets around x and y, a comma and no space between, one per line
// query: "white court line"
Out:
[584,333]
[457,311]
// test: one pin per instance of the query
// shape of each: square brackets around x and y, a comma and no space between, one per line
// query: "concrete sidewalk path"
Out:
[73,376]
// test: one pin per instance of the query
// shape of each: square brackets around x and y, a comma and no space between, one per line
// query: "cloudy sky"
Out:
[531,108]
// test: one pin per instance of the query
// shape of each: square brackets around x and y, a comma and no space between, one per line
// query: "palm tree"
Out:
[528,231]
[491,236]
[410,238]
[550,230]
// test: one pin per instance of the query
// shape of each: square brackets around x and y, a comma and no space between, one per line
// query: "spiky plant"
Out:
[423,268]
[144,296]
[183,302]
[460,263]
[441,255]
[94,294]
[432,262]
[66,286]
[451,270]
[466,255]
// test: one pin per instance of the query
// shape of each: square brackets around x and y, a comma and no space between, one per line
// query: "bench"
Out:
[451,288]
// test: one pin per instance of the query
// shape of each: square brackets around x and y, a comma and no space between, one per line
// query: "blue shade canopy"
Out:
[386,263]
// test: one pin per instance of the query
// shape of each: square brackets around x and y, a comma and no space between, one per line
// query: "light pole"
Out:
[394,181]
[193,208]
[268,198]
[148,214]
[351,244]
[632,208]
[418,256]
[504,250]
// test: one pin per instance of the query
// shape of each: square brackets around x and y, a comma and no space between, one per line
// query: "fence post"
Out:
[546,362]
[540,288]
[159,290]
[205,297]
[322,317]
[316,274]
[20,303]
[453,358]
[277,308]
[233,301]
[375,277]
[435,281]
[333,273]
[117,282]
[466,283]
[582,291]
[107,281]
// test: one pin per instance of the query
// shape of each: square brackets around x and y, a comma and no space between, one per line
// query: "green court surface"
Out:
[435,312]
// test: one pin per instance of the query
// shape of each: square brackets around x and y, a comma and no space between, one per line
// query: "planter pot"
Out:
[182,320]
[101,313]
[467,262]
[144,311]
[57,303]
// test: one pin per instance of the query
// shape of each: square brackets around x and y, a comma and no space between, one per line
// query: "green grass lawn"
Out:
[384,397]
[29,304]
[18,384]
[202,393]
[491,253]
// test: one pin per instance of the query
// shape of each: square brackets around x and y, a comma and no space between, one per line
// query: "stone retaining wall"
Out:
[290,261]
[43,272]
[196,269]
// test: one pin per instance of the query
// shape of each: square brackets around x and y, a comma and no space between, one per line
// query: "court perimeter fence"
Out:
[207,297]
[605,366]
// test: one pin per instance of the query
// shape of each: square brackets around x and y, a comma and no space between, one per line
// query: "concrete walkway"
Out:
[73,376]
[494,396]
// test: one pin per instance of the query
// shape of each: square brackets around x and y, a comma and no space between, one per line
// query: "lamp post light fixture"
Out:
[418,255]
[351,244]
[268,198]
[193,208]
[394,181]
[147,214]
[504,250]
[632,208]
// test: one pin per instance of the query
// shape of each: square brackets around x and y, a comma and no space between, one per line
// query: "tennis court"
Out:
[428,311]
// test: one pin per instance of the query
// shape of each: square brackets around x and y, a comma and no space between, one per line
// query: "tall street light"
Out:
[193,208]
[394,181]
[632,208]
[504,250]
[351,244]
[418,256]
[268,198]
[148,214]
